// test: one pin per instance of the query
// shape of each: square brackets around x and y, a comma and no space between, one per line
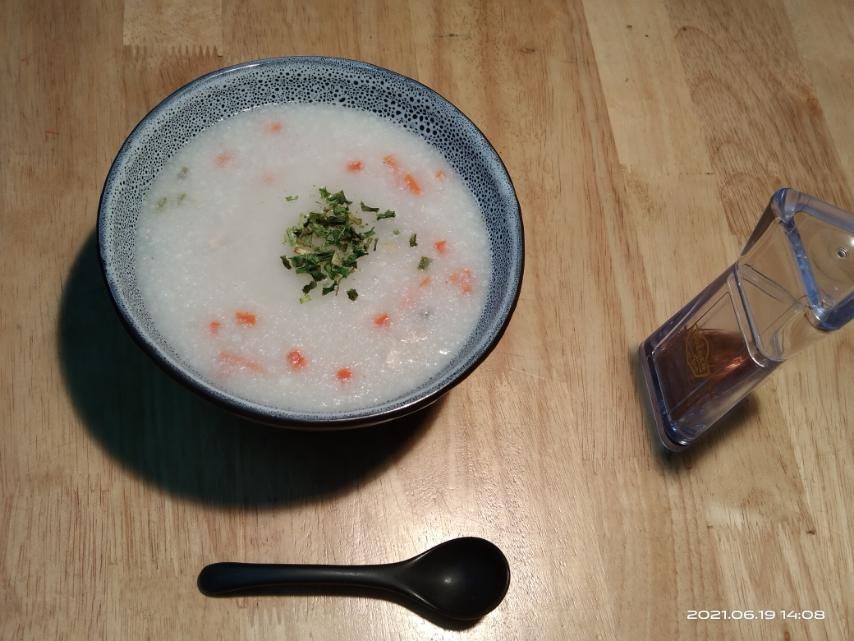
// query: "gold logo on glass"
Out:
[697,352]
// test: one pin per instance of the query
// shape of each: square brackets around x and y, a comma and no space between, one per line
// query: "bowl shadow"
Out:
[182,443]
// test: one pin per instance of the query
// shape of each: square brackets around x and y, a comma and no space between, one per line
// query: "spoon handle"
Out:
[237,578]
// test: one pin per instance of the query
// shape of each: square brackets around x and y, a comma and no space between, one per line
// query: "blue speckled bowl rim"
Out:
[277,417]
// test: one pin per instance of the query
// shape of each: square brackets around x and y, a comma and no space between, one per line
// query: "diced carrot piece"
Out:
[344,374]
[382,320]
[296,359]
[355,165]
[391,161]
[462,279]
[425,281]
[412,184]
[441,246]
[214,326]
[274,127]
[440,174]
[224,159]
[230,359]
[245,318]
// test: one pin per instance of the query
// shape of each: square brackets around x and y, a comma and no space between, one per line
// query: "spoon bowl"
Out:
[462,579]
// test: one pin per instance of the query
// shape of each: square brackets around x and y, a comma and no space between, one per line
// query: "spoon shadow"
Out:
[179,442]
[376,594]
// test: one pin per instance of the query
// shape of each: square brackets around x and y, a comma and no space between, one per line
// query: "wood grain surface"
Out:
[644,139]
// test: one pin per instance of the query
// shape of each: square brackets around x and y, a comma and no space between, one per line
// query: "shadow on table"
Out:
[183,443]
[360,592]
[736,418]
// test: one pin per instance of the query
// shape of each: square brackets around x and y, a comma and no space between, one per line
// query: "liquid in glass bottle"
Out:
[793,284]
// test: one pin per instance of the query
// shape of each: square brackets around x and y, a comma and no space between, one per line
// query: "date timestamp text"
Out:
[756,615]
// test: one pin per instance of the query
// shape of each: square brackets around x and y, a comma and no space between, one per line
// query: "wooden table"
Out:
[644,139]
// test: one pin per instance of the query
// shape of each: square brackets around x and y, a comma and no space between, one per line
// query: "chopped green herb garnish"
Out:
[182,197]
[291,198]
[338,198]
[413,242]
[424,263]
[328,243]
[304,299]
[161,202]
[388,213]
[182,173]
[352,294]
[366,208]
[396,232]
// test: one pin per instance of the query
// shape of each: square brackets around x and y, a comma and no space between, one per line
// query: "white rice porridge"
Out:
[213,229]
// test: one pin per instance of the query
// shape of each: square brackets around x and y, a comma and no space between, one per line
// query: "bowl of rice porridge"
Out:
[311,242]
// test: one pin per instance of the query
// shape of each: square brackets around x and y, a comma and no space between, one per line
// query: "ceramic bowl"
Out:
[312,80]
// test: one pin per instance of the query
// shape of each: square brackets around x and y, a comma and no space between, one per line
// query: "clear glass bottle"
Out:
[793,283]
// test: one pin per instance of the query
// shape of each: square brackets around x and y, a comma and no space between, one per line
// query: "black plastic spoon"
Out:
[461,579]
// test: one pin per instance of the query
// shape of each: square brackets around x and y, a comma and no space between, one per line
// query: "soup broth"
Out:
[214,228]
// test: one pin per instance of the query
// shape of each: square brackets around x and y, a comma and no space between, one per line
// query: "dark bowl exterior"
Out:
[353,84]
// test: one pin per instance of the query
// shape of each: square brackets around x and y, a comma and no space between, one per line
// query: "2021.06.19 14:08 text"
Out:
[755,615]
